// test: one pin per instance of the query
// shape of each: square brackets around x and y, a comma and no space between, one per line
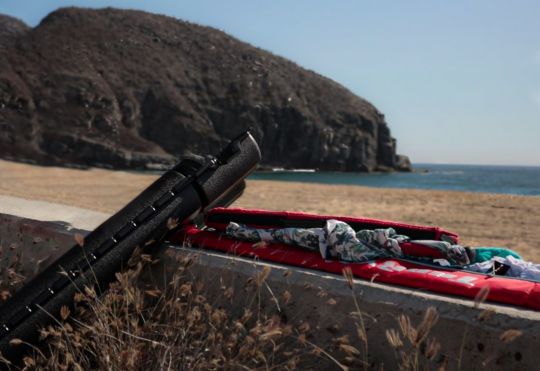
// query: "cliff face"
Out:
[128,89]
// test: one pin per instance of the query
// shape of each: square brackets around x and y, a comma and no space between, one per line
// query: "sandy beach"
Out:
[480,219]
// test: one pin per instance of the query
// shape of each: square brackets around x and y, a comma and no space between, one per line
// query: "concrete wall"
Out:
[28,246]
[325,301]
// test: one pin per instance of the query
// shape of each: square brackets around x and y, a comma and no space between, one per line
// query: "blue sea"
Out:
[517,180]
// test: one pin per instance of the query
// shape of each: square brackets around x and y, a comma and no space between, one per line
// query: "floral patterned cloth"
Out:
[337,240]
[343,243]
[454,254]
[302,237]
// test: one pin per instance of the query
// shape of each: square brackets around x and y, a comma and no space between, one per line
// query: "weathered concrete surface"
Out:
[39,233]
[48,211]
[326,302]
[28,246]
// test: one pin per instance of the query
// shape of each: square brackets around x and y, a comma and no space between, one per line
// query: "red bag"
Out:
[394,271]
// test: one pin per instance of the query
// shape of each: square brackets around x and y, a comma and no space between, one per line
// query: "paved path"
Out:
[48,211]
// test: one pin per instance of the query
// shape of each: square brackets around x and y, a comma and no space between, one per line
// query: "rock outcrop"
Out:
[128,89]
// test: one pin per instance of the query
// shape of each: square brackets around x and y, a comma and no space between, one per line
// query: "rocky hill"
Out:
[128,89]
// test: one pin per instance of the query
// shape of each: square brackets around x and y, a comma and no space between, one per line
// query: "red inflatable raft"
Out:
[401,272]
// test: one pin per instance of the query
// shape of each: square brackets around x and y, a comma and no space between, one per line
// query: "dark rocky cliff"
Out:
[128,89]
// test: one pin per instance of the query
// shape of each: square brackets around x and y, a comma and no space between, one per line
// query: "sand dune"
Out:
[480,219]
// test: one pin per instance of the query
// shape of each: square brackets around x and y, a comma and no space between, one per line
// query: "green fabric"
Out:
[486,253]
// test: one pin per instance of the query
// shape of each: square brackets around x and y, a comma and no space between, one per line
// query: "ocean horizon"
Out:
[500,179]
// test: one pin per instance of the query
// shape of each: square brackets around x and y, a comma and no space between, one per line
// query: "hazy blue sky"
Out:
[459,81]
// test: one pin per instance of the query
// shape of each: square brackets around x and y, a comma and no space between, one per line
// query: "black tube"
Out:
[181,193]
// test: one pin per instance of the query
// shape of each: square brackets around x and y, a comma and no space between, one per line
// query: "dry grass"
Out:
[181,325]
[135,327]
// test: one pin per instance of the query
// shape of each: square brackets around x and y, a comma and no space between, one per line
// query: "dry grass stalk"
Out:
[481,296]
[287,296]
[432,349]
[261,277]
[510,335]
[416,351]
[349,277]
[486,314]
[260,245]
[172,223]
[349,349]
[405,325]
[79,239]
[430,318]
[393,338]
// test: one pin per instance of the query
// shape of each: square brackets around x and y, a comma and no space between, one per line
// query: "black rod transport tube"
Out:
[181,193]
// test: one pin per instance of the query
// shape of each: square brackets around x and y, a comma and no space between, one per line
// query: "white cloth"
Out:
[517,268]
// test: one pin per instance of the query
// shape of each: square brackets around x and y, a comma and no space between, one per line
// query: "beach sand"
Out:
[480,219]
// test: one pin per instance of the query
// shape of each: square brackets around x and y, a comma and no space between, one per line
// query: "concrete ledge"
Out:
[28,246]
[324,301]
[75,217]
[34,233]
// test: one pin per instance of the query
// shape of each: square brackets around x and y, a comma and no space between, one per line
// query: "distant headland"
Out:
[128,89]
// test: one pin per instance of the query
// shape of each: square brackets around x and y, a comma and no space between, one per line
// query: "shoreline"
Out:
[462,178]
[481,219]
[418,168]
[471,193]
